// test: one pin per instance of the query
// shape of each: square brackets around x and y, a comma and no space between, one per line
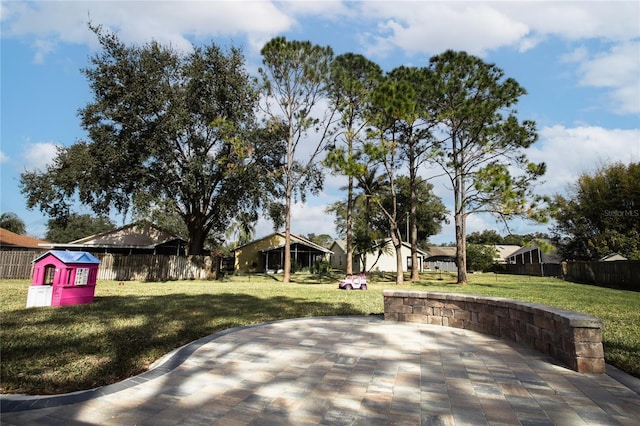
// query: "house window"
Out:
[409,263]
[82,276]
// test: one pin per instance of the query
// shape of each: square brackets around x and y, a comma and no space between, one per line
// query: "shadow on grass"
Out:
[56,350]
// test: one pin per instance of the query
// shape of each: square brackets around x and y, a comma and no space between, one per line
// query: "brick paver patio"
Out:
[346,371]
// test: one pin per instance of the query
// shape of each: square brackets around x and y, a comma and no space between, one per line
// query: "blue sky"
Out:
[578,61]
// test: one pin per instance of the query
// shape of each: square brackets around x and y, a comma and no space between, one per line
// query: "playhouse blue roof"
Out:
[67,256]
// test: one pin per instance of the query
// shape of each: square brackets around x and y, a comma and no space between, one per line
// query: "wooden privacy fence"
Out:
[17,265]
[620,273]
[116,267]
[535,269]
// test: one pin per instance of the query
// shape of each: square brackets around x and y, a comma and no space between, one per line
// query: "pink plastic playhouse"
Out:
[63,278]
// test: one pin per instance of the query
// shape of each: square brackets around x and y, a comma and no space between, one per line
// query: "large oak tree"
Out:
[166,130]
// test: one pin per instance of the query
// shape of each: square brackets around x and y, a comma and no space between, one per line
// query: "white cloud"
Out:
[305,219]
[431,27]
[577,55]
[570,152]
[327,9]
[477,27]
[619,70]
[37,156]
[140,21]
[4,158]
[578,20]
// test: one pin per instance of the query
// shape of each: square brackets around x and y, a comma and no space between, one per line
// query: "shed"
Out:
[69,277]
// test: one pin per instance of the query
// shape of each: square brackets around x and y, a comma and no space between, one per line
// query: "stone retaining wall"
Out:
[572,338]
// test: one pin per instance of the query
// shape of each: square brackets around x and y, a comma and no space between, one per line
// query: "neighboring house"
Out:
[131,239]
[267,254]
[441,254]
[613,257]
[383,258]
[504,251]
[339,255]
[12,241]
[441,259]
[532,260]
[17,253]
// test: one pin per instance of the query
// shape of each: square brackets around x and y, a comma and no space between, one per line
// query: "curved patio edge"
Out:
[21,402]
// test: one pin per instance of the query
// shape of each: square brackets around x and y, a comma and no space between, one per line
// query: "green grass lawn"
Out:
[50,350]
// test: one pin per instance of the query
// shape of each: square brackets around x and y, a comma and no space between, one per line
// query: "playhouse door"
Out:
[39,296]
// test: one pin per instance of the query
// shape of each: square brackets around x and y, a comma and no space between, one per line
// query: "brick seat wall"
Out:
[572,338]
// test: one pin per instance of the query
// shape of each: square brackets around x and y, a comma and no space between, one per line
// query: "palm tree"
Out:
[242,229]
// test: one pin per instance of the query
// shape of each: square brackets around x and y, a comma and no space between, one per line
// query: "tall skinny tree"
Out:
[295,76]
[480,141]
[353,78]
[414,134]
[389,107]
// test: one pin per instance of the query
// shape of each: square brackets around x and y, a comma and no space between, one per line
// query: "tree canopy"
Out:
[480,142]
[167,131]
[76,226]
[12,222]
[600,215]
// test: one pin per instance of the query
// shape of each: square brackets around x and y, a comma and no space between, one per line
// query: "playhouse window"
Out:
[49,273]
[82,276]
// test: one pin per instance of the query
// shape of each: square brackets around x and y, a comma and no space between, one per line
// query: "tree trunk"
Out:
[460,224]
[415,265]
[349,264]
[397,244]
[413,238]
[197,237]
[461,247]
[287,239]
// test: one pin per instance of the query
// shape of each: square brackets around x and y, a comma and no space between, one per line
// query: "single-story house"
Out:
[441,258]
[534,260]
[267,253]
[339,255]
[135,238]
[504,251]
[17,253]
[613,257]
[383,259]
[441,254]
[12,241]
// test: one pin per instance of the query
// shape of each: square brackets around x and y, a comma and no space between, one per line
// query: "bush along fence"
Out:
[116,267]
